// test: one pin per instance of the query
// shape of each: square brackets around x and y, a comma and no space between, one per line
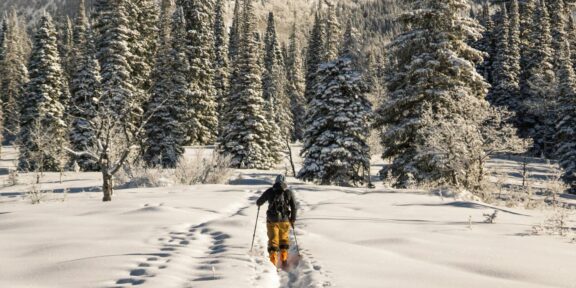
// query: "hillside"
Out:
[285,10]
[375,17]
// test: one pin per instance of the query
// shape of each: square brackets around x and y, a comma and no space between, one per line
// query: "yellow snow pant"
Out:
[278,240]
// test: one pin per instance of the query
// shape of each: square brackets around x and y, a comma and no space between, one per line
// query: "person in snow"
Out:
[280,216]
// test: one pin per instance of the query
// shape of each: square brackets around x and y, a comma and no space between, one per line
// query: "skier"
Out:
[280,216]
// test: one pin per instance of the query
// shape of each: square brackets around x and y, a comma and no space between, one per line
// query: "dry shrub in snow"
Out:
[137,175]
[204,169]
[557,223]
[554,187]
[490,217]
[35,195]
[12,178]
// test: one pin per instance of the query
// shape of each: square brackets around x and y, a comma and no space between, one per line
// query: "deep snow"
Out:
[199,236]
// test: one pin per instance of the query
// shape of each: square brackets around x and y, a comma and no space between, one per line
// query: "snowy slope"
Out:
[284,10]
[199,236]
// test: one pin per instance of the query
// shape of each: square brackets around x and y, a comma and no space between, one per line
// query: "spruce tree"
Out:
[332,41]
[295,84]
[113,53]
[436,103]
[315,55]
[3,25]
[246,131]
[234,34]
[486,43]
[514,47]
[527,27]
[335,147]
[81,26]
[43,131]
[221,68]
[505,68]
[167,9]
[202,114]
[85,91]
[142,16]
[536,113]
[14,75]
[3,42]
[66,43]
[571,34]
[557,11]
[274,82]
[350,46]
[566,117]
[166,129]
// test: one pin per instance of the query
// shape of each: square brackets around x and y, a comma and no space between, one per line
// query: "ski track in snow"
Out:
[194,251]
[190,255]
[309,273]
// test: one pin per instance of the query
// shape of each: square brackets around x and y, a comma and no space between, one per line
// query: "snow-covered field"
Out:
[199,236]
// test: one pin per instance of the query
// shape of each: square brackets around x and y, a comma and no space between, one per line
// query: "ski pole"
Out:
[295,239]
[255,225]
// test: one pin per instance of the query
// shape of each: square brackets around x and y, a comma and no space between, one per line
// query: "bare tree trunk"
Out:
[524,171]
[107,186]
[290,157]
[480,170]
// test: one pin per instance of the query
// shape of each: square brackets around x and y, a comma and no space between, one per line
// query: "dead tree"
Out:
[115,140]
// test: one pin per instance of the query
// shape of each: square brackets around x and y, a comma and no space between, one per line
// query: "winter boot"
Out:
[284,257]
[274,257]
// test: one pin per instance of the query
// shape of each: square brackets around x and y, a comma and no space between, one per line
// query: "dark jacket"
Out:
[270,195]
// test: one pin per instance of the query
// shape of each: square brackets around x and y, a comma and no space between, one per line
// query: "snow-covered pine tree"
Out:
[315,54]
[272,53]
[436,100]
[81,26]
[2,49]
[221,68]
[527,26]
[14,74]
[165,22]
[486,43]
[113,53]
[333,37]
[246,129]
[527,10]
[65,30]
[295,84]
[43,132]
[284,49]
[335,147]
[514,47]
[571,34]
[234,34]
[142,16]
[85,90]
[506,66]
[166,129]
[274,83]
[557,10]
[350,46]
[566,117]
[536,110]
[202,115]
[3,42]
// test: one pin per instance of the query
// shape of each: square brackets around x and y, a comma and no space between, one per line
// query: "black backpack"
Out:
[280,204]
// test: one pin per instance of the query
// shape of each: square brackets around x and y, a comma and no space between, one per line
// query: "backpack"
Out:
[280,204]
